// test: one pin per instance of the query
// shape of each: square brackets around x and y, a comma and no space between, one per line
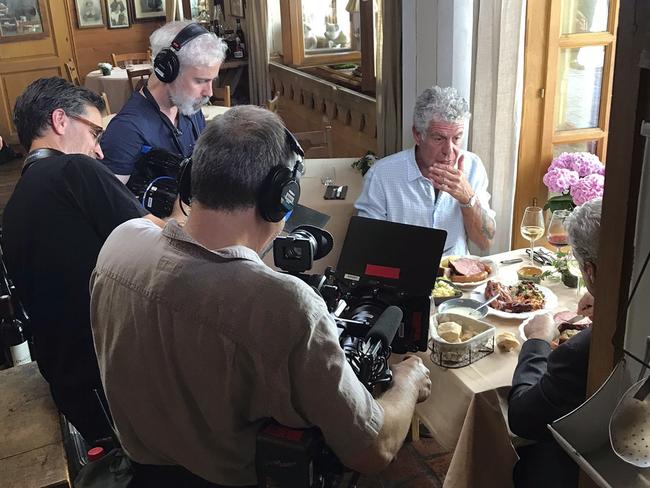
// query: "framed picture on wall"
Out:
[149,9]
[118,14]
[237,8]
[89,13]
[21,20]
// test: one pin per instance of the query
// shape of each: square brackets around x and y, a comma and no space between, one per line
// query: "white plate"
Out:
[493,266]
[550,300]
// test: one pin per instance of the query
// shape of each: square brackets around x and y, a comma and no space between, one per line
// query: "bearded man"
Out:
[166,113]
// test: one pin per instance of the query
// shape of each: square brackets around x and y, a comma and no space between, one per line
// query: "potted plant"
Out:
[574,178]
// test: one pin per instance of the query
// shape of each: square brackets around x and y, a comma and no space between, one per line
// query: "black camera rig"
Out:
[379,297]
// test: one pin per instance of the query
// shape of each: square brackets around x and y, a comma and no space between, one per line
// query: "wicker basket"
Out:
[457,355]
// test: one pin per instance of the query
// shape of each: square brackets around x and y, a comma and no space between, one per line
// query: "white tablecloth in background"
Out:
[116,85]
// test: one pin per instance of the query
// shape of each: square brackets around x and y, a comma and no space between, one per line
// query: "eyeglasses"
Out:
[95,129]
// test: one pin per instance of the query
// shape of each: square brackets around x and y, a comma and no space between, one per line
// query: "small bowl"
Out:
[457,292]
[455,305]
[530,273]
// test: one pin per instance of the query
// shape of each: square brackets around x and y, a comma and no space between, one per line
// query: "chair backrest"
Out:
[73,74]
[138,78]
[107,106]
[274,104]
[135,58]
[221,96]
[317,143]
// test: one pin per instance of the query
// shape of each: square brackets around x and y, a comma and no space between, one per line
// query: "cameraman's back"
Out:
[199,342]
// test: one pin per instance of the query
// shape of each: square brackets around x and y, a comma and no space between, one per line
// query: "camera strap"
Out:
[37,155]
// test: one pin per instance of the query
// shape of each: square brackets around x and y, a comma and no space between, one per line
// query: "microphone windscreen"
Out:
[386,326]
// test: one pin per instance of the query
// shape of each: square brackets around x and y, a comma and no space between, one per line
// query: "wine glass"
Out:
[532,227]
[328,177]
[557,234]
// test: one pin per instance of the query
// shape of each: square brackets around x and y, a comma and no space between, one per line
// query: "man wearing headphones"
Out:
[166,113]
[223,342]
[63,208]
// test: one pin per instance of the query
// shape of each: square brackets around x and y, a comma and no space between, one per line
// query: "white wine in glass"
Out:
[532,227]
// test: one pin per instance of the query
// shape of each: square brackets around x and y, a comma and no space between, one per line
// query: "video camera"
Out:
[379,297]
[156,180]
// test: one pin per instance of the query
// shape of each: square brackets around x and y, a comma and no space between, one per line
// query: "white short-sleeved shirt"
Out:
[394,189]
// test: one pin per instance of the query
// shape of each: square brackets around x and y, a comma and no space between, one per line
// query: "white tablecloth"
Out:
[466,411]
[116,85]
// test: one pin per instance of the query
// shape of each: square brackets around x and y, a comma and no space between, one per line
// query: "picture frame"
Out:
[21,20]
[90,14]
[237,8]
[149,9]
[117,14]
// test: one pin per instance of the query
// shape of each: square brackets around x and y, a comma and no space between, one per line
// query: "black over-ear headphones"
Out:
[166,65]
[279,192]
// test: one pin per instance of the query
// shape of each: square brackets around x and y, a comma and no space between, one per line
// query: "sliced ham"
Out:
[467,266]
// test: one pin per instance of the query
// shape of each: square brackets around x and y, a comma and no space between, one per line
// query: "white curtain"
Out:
[497,99]
[257,18]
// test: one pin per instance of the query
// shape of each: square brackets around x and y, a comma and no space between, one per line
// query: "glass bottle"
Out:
[13,333]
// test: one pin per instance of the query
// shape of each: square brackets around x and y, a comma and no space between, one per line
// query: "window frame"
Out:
[538,134]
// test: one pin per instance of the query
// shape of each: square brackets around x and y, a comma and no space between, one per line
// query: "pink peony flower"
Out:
[560,180]
[588,188]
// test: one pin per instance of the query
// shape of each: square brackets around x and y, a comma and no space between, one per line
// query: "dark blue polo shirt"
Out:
[140,125]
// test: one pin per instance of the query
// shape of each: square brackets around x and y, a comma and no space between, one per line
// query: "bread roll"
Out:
[450,331]
[466,335]
[507,341]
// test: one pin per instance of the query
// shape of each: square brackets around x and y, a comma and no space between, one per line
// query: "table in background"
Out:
[117,86]
[466,411]
[31,451]
[209,112]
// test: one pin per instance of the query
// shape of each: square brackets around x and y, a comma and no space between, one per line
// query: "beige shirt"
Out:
[198,348]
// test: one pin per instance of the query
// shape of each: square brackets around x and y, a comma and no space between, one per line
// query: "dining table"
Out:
[467,410]
[116,85]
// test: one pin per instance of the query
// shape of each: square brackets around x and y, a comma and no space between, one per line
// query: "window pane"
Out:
[577,102]
[327,26]
[584,16]
[584,146]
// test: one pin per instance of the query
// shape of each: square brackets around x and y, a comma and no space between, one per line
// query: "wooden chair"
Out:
[221,96]
[317,143]
[73,74]
[139,77]
[107,106]
[135,58]
[273,105]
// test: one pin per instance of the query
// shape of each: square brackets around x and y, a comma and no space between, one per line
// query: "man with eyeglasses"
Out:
[435,184]
[63,208]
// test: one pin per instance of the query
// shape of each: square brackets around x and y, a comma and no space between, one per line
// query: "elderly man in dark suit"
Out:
[547,383]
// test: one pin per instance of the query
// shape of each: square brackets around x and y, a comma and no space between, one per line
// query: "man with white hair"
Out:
[547,383]
[434,184]
[166,113]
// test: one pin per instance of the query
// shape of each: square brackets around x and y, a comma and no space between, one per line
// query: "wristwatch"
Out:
[470,204]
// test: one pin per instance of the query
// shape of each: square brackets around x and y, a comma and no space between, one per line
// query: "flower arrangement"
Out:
[578,177]
[106,68]
[364,163]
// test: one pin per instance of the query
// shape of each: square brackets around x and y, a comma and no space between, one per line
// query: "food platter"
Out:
[550,304]
[467,286]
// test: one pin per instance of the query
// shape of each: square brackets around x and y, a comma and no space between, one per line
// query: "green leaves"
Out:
[560,202]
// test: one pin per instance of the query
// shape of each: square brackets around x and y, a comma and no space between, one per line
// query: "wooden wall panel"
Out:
[24,61]
[92,46]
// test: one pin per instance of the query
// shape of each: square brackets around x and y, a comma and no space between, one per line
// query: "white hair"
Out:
[440,105]
[204,50]
[583,228]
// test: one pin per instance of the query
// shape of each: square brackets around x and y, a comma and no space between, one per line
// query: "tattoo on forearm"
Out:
[487,224]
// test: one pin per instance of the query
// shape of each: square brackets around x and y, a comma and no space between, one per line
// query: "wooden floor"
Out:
[9,174]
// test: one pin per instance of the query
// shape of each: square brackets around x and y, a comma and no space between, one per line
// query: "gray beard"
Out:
[188,106]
